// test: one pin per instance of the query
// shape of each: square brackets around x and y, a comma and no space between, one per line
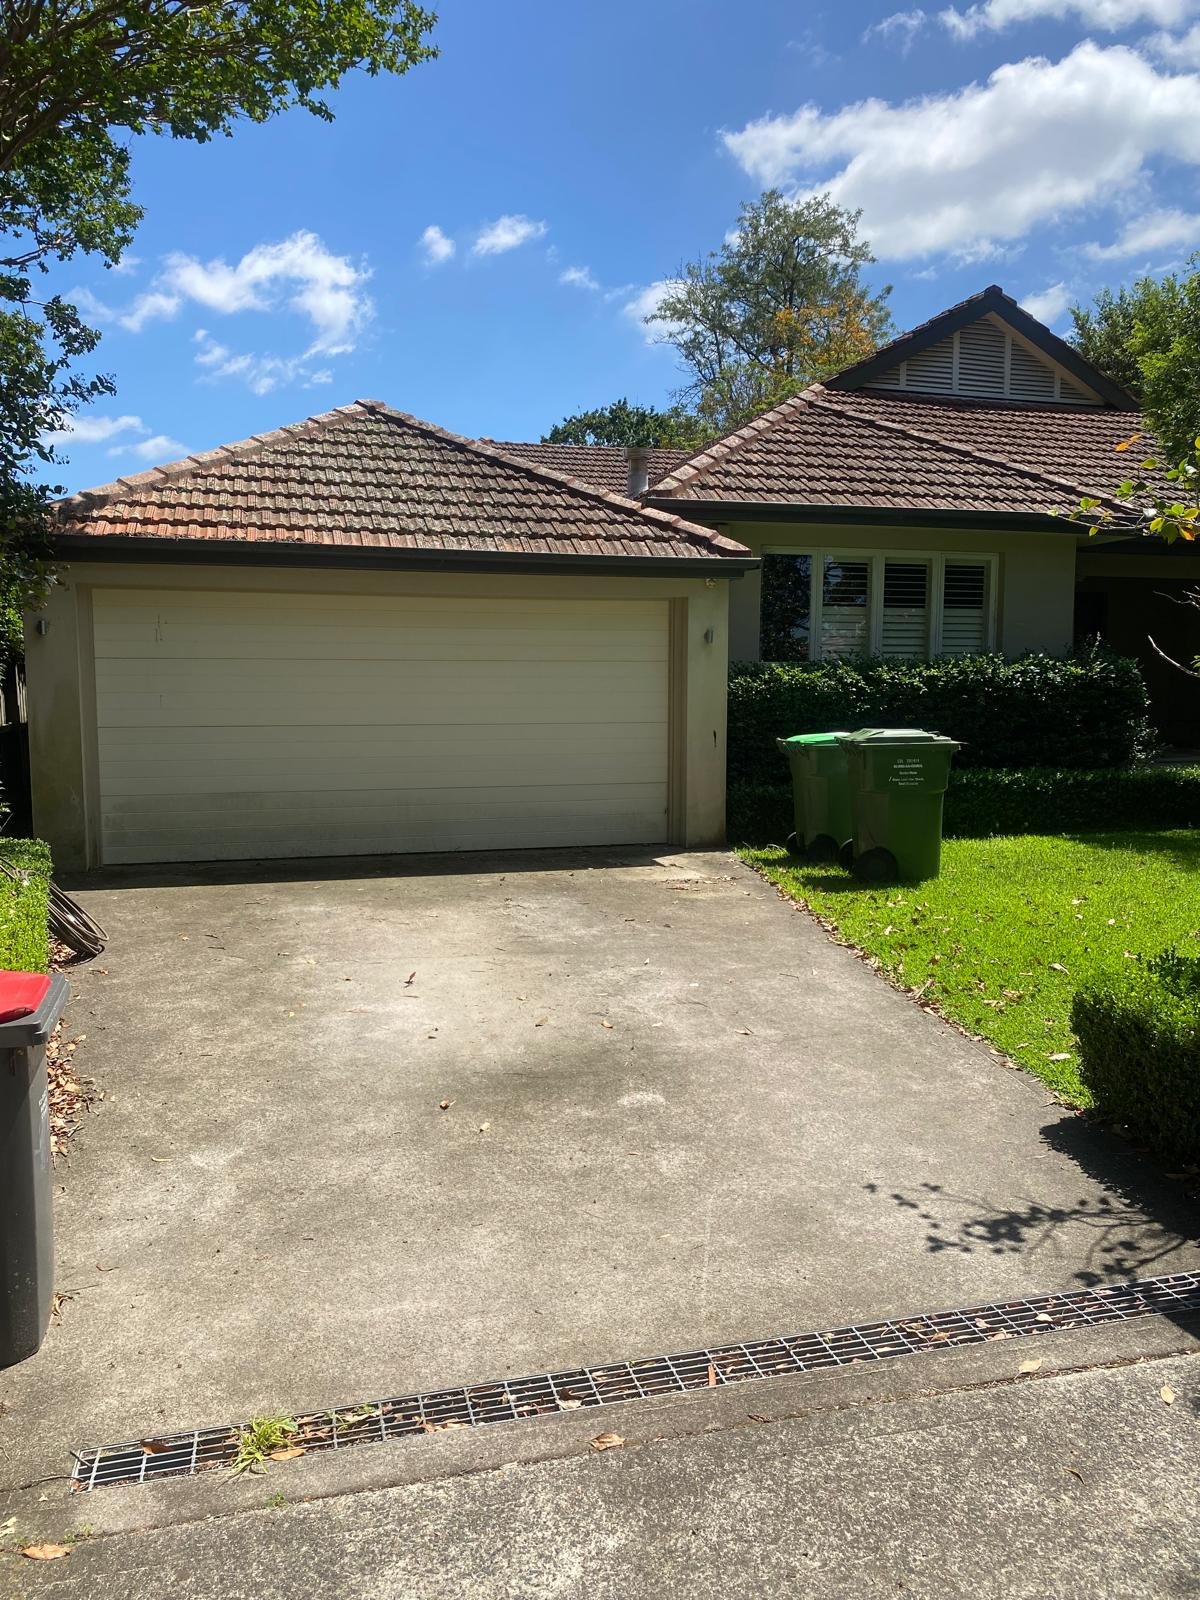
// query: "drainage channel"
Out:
[548,1393]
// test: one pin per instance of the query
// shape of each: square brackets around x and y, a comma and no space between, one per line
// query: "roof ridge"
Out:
[707,537]
[239,450]
[827,402]
[721,449]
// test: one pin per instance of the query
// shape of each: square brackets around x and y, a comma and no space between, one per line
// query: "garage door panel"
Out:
[275,725]
[218,828]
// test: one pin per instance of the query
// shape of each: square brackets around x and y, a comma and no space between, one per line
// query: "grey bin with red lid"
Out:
[30,1006]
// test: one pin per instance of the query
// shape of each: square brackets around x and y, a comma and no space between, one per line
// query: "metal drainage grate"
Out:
[513,1399]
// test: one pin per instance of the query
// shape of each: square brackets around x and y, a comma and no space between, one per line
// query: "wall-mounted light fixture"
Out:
[41,626]
[710,635]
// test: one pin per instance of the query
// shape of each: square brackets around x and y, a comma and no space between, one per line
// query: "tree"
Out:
[77,78]
[623,424]
[779,305]
[1147,338]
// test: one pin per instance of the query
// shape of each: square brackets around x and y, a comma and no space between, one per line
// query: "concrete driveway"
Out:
[677,1114]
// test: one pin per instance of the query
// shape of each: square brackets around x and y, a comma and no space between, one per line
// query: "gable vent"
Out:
[931,371]
[1029,379]
[981,358]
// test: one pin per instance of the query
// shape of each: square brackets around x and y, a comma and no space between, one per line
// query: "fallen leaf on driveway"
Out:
[541,1022]
[1168,1395]
[444,1105]
[101,1268]
[607,1441]
[1033,1365]
[45,1552]
[484,1126]
[604,1023]
[1075,1473]
[712,1376]
[1043,1316]
[569,1405]
[155,1447]
[288,1453]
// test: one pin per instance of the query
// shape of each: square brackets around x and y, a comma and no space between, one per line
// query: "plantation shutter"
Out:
[964,608]
[844,608]
[905,629]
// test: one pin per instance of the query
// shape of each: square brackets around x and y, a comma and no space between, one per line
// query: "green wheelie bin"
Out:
[898,777]
[820,794]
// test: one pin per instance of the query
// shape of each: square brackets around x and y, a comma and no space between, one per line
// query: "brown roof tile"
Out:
[868,449]
[603,466]
[367,476]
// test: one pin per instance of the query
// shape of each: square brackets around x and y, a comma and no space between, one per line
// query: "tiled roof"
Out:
[366,477]
[604,466]
[874,450]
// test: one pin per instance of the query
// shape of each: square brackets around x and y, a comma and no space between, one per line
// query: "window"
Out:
[822,605]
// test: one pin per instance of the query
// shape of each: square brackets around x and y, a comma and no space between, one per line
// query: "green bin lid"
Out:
[811,738]
[886,736]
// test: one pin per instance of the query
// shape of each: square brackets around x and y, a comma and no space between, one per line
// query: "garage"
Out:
[362,635]
[248,725]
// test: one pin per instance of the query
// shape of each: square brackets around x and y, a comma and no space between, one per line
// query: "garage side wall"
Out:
[62,694]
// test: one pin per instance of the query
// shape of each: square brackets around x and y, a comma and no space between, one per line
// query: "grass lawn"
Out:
[1003,938]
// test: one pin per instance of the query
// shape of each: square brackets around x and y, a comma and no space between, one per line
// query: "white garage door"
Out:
[240,725]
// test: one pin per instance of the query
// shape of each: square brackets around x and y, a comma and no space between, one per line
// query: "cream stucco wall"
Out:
[61,676]
[1036,583]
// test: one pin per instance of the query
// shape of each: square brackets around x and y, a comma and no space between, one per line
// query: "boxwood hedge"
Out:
[1085,710]
[980,804]
[1139,1050]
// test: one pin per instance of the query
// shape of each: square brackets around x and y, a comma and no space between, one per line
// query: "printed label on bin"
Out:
[908,772]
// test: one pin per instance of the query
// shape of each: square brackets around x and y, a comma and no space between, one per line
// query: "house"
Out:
[362,634]
[903,508]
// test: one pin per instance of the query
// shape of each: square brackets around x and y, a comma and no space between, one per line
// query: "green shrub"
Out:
[1087,710]
[982,804]
[1139,1050]
[24,906]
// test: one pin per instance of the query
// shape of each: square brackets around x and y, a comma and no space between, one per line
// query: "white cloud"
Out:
[966,171]
[260,373]
[1177,50]
[1167,229]
[901,26]
[1109,16]
[91,429]
[158,447]
[645,302]
[580,277]
[1049,303]
[127,265]
[149,307]
[436,245]
[506,233]
[299,272]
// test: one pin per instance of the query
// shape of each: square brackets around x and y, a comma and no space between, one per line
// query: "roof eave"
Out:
[253,553]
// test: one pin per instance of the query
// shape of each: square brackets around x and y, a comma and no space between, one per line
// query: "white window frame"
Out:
[875,559]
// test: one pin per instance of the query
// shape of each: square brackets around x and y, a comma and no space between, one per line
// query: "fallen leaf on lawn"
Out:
[288,1453]
[1033,1365]
[444,1105]
[1060,1055]
[1168,1395]
[45,1552]
[604,1023]
[712,1376]
[607,1441]
[1057,966]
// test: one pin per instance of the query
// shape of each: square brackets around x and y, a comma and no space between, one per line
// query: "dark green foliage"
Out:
[1088,710]
[24,906]
[982,804]
[623,424]
[1139,1049]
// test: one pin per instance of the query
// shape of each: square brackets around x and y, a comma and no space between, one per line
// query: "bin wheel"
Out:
[877,866]
[822,849]
[793,845]
[845,855]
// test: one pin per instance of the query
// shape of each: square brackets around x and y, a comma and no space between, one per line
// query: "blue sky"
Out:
[571,157]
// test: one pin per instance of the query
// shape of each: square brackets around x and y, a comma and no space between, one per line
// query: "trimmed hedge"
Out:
[980,804]
[1087,710]
[25,906]
[1139,1050]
